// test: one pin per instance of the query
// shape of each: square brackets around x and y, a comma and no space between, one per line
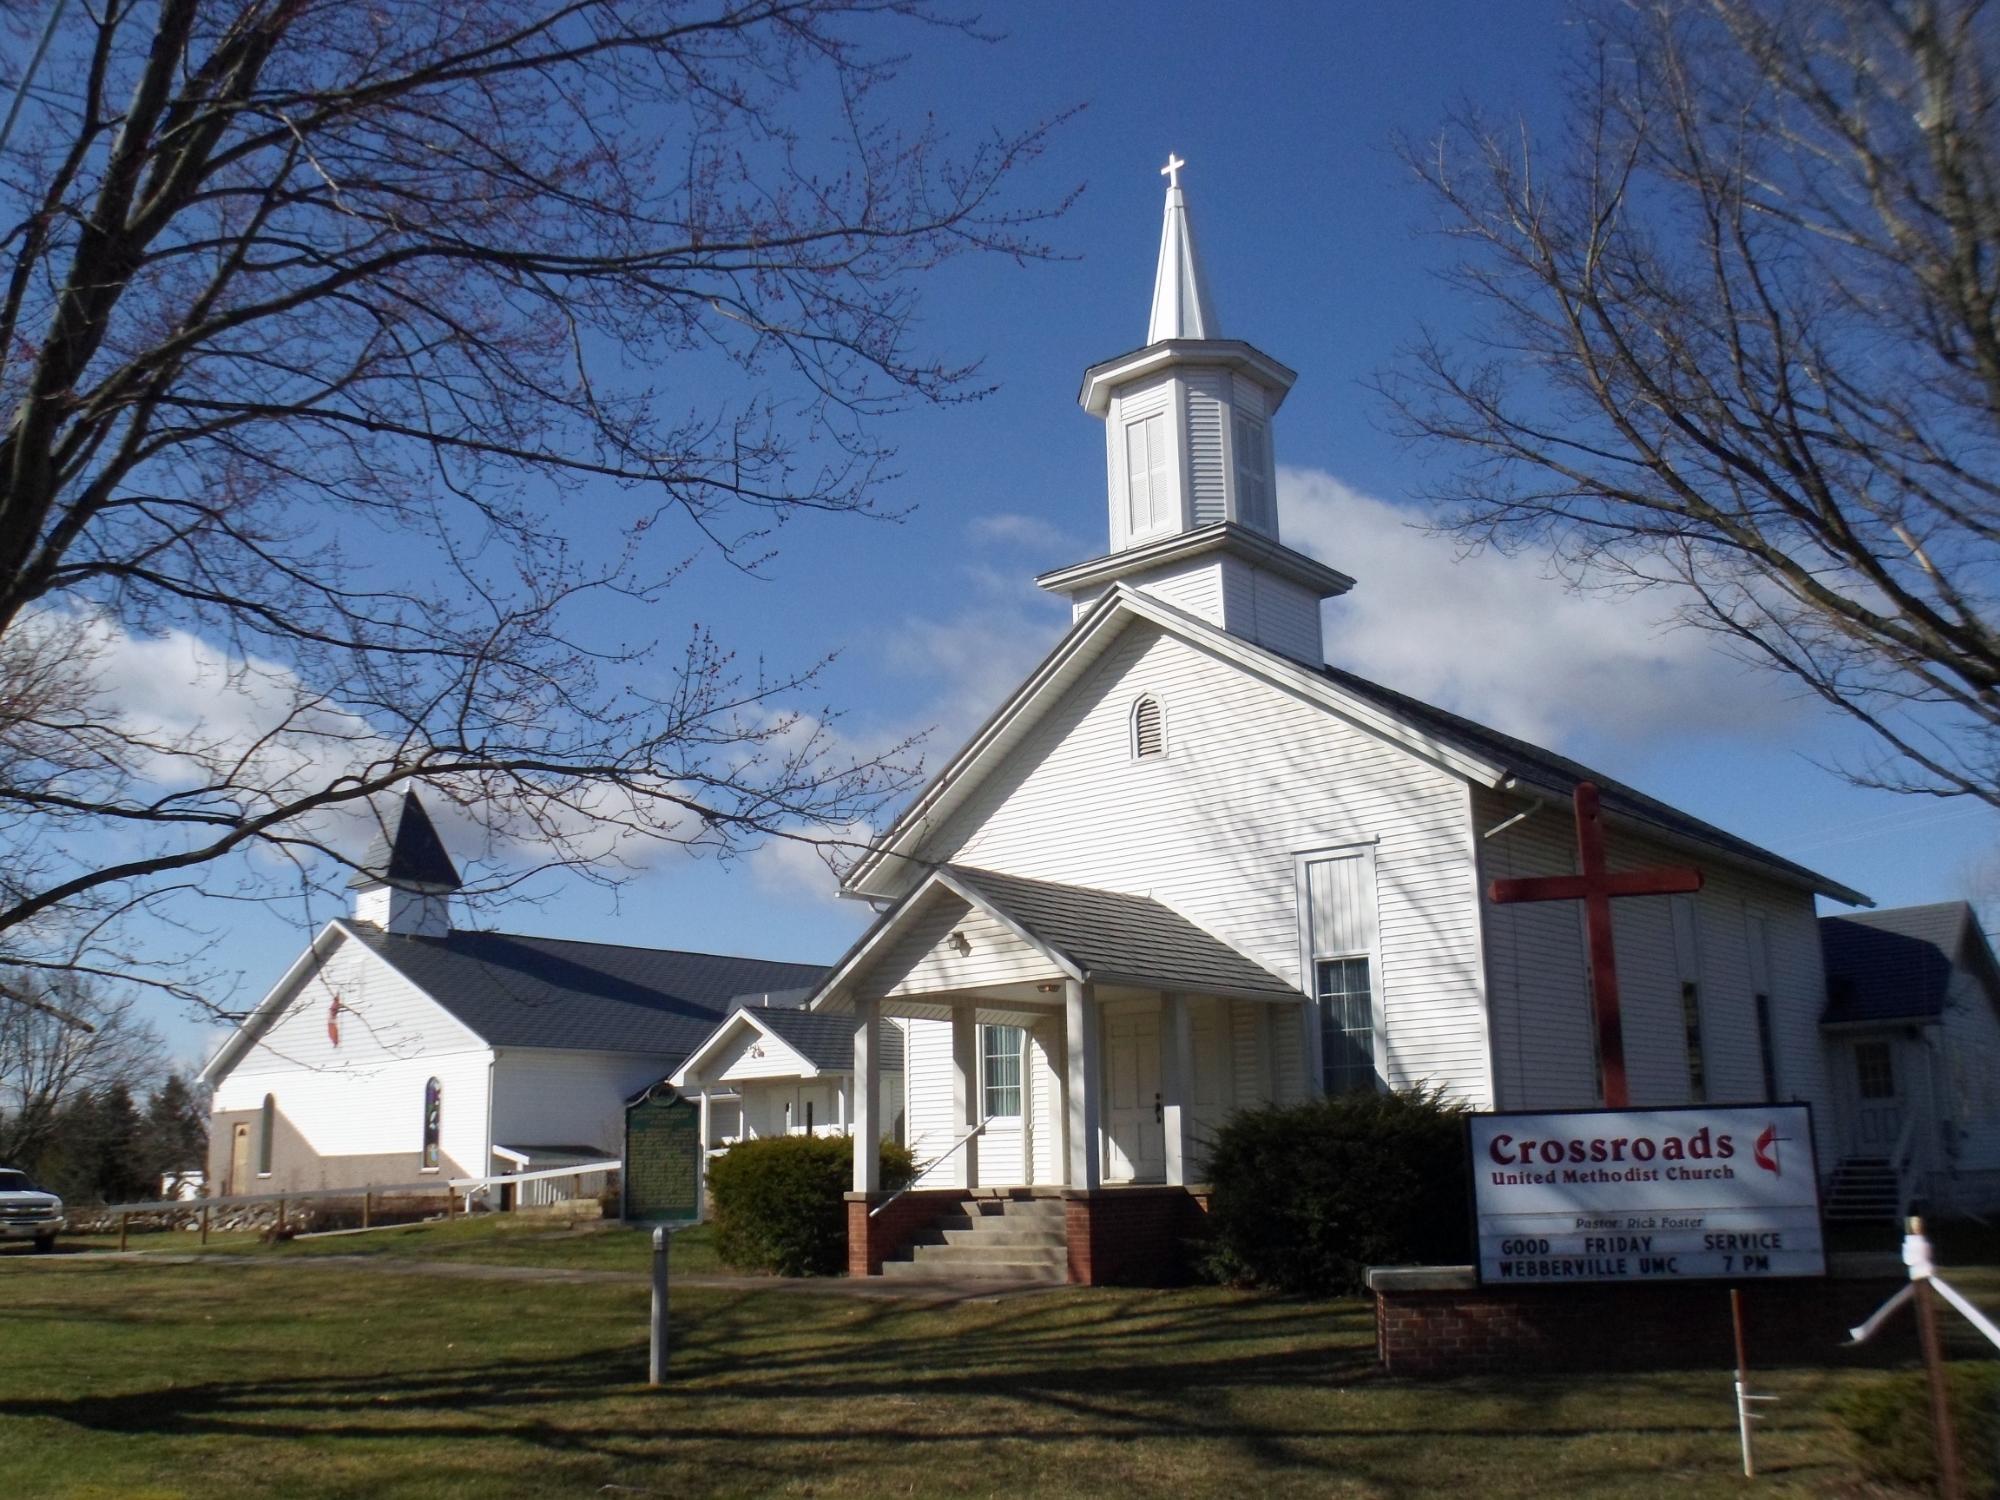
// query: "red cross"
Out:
[1594,888]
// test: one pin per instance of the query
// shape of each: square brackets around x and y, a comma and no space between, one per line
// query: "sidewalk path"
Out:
[872,1287]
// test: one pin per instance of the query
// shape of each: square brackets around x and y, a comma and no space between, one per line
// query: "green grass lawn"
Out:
[142,1379]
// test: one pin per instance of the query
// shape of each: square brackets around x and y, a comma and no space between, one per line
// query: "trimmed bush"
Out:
[1888,1426]
[780,1204]
[1308,1196]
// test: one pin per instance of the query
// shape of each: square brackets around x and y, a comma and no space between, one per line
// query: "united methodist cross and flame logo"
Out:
[333,1020]
[1765,1150]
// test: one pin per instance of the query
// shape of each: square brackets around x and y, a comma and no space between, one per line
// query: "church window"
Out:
[1000,1069]
[1875,1070]
[433,1117]
[1253,474]
[1346,1025]
[1688,958]
[1149,487]
[1149,728]
[1760,986]
[266,1127]
[1338,896]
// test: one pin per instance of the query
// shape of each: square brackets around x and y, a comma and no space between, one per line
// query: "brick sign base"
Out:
[1437,1320]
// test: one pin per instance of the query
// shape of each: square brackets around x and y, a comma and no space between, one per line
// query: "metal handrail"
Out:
[1899,1156]
[929,1168]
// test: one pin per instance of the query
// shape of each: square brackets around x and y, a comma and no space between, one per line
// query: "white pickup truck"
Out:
[26,1212]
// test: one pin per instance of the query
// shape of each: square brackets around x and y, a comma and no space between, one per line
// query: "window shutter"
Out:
[1253,486]
[1148,485]
[1149,731]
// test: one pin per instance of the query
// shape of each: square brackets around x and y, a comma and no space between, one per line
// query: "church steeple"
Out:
[1192,480]
[405,881]
[1182,308]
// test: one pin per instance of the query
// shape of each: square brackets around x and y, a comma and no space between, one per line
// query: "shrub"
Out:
[1308,1196]
[779,1204]
[1888,1426]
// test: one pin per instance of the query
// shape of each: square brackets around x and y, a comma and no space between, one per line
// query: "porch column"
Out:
[867,1099]
[1081,1083]
[1176,1082]
[1314,1060]
[701,1177]
[965,1083]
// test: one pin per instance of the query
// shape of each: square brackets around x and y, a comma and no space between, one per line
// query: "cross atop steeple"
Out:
[1181,305]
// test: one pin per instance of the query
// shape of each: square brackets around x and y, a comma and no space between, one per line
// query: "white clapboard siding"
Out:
[1045,1063]
[1252,777]
[1271,611]
[927,1046]
[1195,586]
[1969,1055]
[1537,964]
[924,960]
[1207,393]
[382,1018]
[751,1054]
[545,1097]
[364,1096]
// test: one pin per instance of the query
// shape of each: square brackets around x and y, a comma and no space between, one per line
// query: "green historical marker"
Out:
[662,1158]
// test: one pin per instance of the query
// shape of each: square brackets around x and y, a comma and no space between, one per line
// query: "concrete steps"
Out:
[1864,1190]
[991,1239]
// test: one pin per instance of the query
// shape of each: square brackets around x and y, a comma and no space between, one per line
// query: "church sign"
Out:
[662,1177]
[1646,1195]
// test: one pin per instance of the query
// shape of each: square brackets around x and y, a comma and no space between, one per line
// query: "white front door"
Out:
[1135,1139]
[1879,1101]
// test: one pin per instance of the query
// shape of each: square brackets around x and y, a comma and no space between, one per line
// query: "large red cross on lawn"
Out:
[1594,888]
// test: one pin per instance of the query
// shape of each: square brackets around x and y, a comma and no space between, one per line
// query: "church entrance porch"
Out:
[1026,1073]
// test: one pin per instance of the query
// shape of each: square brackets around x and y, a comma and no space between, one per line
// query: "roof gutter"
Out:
[1799,877]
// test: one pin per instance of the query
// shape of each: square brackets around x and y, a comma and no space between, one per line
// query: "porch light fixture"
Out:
[1048,987]
[961,943]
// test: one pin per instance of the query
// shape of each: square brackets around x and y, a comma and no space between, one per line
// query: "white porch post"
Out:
[1314,1060]
[965,1083]
[1080,1083]
[867,1098]
[840,1105]
[701,1177]
[1176,1082]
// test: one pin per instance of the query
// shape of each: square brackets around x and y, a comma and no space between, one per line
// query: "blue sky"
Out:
[1311,235]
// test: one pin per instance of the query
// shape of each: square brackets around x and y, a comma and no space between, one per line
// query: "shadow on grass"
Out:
[762,1385]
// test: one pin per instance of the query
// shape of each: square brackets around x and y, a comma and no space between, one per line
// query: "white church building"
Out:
[401,1049]
[1188,867]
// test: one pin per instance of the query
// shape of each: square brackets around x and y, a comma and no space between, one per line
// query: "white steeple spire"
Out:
[1181,305]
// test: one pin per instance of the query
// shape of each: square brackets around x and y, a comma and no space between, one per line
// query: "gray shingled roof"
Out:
[1114,937]
[827,1042]
[515,991]
[1893,965]
[409,852]
[1559,774]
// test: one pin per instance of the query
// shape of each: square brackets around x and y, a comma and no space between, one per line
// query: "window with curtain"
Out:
[266,1128]
[1000,1067]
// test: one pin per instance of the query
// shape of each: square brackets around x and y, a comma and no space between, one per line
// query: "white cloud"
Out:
[1498,639]
[1030,533]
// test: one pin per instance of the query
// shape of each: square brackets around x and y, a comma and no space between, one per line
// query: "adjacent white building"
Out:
[398,1048]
